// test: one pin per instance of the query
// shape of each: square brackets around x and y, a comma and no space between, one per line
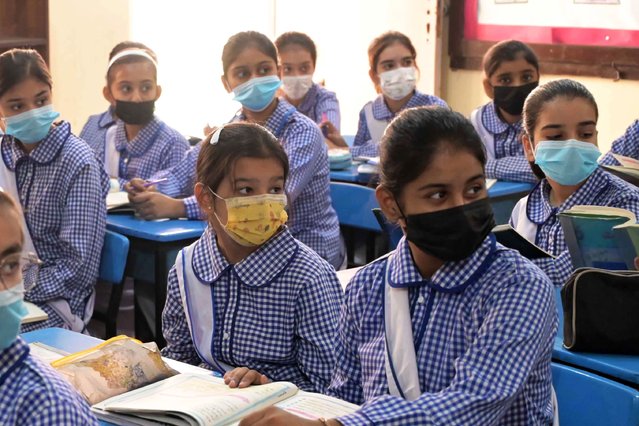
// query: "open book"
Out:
[199,399]
[118,202]
[34,313]
[507,236]
[628,171]
[591,238]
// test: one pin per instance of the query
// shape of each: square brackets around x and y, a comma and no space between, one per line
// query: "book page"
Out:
[46,353]
[116,199]
[314,405]
[34,313]
[204,398]
[490,183]
[627,161]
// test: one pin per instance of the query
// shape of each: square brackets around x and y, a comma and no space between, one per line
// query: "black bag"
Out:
[601,311]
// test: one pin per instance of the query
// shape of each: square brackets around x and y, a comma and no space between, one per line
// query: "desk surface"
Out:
[351,175]
[623,367]
[503,188]
[60,338]
[160,231]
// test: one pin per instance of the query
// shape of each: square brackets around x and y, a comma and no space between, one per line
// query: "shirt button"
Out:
[420,299]
[226,336]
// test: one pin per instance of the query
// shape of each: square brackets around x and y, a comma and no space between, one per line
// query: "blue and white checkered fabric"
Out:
[312,218]
[510,162]
[276,311]
[95,130]
[32,393]
[318,100]
[363,145]
[627,145]
[601,189]
[157,147]
[62,197]
[483,352]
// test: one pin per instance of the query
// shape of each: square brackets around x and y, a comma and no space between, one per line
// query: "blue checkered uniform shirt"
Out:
[627,145]
[276,311]
[363,145]
[62,197]
[95,130]
[312,218]
[318,100]
[483,341]
[600,189]
[510,162]
[32,393]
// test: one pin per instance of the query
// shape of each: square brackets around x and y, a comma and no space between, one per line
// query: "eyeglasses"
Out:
[19,267]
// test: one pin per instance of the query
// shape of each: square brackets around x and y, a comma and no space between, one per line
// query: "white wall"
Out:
[81,34]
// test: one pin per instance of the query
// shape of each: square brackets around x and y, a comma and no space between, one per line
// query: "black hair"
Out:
[127,45]
[240,41]
[534,105]
[17,65]
[415,136]
[301,39]
[380,43]
[507,50]
[236,140]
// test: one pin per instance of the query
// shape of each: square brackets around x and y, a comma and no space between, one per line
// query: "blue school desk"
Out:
[351,175]
[154,245]
[623,368]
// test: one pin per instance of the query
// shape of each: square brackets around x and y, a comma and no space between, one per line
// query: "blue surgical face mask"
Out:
[567,162]
[12,310]
[31,126]
[257,93]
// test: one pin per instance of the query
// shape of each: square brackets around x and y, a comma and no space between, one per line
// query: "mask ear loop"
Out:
[211,207]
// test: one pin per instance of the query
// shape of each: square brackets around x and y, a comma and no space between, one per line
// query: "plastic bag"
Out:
[111,368]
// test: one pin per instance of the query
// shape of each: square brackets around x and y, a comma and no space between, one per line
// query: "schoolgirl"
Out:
[511,72]
[250,67]
[560,140]
[55,180]
[247,298]
[450,327]
[129,139]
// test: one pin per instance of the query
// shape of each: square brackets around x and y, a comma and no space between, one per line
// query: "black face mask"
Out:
[511,98]
[451,234]
[135,112]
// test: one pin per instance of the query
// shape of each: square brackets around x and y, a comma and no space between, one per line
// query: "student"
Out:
[30,391]
[560,141]
[138,144]
[394,72]
[298,58]
[250,67]
[450,327]
[247,294]
[55,178]
[626,145]
[511,72]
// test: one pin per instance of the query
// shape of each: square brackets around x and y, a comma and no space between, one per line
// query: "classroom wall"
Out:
[81,34]
[617,101]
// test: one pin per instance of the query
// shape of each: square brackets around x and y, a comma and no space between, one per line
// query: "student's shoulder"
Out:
[424,99]
[77,150]
[511,270]
[306,259]
[323,94]
[301,126]
[617,190]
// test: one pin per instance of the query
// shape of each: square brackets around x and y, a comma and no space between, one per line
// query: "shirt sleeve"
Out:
[517,330]
[181,177]
[515,168]
[81,235]
[175,329]
[628,144]
[329,105]
[363,145]
[557,269]
[175,152]
[317,315]
[302,143]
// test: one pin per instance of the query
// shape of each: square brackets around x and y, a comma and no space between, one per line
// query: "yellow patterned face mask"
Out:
[252,220]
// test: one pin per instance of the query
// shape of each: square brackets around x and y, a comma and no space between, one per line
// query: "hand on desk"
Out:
[151,205]
[243,377]
[333,137]
[273,416]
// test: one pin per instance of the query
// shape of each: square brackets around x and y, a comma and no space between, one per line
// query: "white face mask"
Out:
[297,87]
[398,83]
